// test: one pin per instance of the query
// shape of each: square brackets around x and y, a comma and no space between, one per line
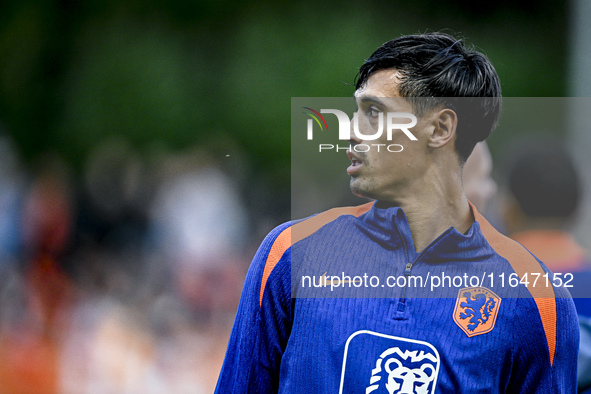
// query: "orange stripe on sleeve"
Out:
[281,244]
[523,262]
[300,231]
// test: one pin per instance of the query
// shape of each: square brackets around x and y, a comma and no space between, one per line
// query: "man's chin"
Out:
[359,190]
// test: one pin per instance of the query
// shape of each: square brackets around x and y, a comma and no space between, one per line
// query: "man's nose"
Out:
[353,139]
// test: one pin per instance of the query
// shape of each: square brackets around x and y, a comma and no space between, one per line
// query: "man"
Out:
[543,196]
[470,338]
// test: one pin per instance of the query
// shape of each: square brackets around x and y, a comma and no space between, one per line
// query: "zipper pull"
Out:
[408,268]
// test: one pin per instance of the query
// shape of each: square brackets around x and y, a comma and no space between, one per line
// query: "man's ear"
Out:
[444,132]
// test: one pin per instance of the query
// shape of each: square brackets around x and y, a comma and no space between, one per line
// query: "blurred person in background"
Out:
[107,345]
[479,184]
[198,231]
[543,194]
[39,287]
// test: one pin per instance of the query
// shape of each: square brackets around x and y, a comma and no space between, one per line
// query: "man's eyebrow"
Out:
[371,99]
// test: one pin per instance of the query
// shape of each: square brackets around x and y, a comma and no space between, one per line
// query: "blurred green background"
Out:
[220,75]
[145,151]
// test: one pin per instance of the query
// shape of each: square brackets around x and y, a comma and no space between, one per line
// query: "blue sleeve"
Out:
[261,328]
[534,371]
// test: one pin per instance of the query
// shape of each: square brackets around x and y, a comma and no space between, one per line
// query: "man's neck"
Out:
[432,209]
[427,222]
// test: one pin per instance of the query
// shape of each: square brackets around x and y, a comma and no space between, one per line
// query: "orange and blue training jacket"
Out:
[341,303]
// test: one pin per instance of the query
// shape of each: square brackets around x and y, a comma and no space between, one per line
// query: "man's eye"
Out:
[373,112]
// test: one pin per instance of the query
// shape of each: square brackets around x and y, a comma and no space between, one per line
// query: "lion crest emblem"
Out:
[476,310]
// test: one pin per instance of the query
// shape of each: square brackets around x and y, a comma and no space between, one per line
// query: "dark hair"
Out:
[437,69]
[543,179]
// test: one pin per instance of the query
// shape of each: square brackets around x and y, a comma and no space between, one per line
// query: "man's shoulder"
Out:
[274,255]
[521,260]
[297,230]
[545,296]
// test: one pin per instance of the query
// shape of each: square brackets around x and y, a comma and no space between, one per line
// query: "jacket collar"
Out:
[388,225]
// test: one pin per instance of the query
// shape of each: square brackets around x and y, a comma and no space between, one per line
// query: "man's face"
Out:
[382,174]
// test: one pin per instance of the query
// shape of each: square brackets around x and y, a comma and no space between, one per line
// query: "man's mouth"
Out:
[355,163]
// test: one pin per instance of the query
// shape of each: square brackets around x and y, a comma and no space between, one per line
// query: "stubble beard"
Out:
[360,187]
